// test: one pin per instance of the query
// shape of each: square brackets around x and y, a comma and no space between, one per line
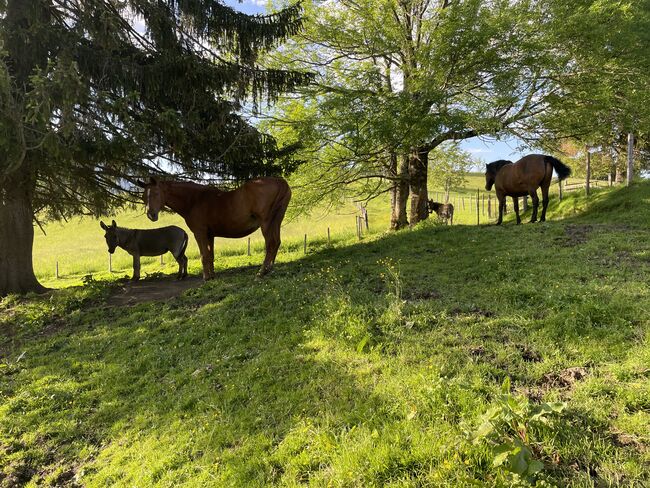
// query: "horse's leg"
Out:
[203,242]
[533,195]
[544,202]
[271,233]
[515,205]
[136,267]
[502,205]
[211,255]
[271,230]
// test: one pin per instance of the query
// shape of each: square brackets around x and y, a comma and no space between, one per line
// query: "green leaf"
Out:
[535,466]
[362,343]
[505,387]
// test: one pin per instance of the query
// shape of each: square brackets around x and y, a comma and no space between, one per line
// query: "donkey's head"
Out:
[433,206]
[110,236]
[153,197]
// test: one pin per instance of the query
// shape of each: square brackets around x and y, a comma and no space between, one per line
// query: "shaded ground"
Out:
[150,290]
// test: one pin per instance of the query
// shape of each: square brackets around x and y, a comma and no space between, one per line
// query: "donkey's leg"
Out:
[515,205]
[136,267]
[533,195]
[544,203]
[180,260]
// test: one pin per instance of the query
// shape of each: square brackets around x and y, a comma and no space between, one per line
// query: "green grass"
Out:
[365,364]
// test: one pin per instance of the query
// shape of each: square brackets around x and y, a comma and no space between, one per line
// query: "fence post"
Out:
[483,204]
[559,184]
[463,200]
[588,176]
[328,236]
[56,271]
[162,261]
[305,245]
[478,208]
[249,246]
[630,158]
[489,206]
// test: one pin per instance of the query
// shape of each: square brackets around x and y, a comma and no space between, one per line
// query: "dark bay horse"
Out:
[523,178]
[210,212]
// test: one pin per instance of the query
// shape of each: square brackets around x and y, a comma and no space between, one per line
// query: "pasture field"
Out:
[438,356]
[80,250]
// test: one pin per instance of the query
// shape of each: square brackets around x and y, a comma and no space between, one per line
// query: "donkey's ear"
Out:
[141,183]
[114,224]
[153,181]
[103,225]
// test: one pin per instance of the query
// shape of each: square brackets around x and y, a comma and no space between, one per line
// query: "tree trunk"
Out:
[418,163]
[399,192]
[619,174]
[17,235]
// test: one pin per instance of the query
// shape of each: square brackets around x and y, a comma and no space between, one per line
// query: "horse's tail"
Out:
[562,170]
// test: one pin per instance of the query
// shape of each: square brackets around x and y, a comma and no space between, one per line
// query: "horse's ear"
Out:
[103,225]
[141,183]
[114,224]
[153,181]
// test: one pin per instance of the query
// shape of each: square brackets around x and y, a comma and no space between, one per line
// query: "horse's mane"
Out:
[497,165]
[192,185]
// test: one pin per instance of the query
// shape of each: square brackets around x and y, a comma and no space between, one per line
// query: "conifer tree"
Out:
[88,102]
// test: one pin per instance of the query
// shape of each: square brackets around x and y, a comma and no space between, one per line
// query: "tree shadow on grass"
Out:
[232,374]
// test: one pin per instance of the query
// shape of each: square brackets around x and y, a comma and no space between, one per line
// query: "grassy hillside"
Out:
[440,356]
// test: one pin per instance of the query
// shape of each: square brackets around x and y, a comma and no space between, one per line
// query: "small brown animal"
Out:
[444,210]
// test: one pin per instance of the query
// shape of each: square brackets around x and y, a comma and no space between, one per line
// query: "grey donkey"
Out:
[148,242]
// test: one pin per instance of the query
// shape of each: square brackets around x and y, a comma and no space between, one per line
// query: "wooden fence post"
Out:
[483,207]
[478,208]
[588,176]
[489,206]
[162,261]
[630,158]
[56,271]
[328,236]
[559,184]
[305,245]
[249,246]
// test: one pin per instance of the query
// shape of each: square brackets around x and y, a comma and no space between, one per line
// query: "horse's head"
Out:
[491,171]
[153,197]
[110,235]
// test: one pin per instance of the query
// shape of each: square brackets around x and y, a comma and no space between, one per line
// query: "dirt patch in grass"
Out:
[150,290]
[574,235]
[564,379]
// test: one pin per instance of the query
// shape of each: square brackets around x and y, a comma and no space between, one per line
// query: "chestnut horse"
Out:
[210,212]
[521,179]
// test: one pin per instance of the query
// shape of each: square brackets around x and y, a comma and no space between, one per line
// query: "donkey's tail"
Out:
[562,170]
[184,245]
